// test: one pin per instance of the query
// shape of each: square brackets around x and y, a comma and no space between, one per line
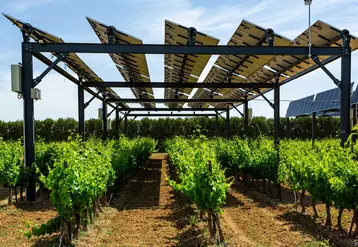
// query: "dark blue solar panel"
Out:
[327,100]
[300,107]
[354,99]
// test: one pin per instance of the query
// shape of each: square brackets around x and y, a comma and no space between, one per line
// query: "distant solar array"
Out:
[326,103]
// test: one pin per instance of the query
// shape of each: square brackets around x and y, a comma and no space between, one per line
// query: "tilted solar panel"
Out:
[327,100]
[300,107]
[251,68]
[133,67]
[183,68]
[72,60]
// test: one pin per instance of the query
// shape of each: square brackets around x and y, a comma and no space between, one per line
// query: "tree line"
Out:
[162,128]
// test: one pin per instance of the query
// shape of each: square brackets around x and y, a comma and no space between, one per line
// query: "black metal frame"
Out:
[30,49]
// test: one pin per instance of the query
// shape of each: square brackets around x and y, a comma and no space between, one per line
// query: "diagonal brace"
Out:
[267,100]
[318,62]
[132,120]
[242,115]
[219,115]
[59,58]
[91,99]
[109,114]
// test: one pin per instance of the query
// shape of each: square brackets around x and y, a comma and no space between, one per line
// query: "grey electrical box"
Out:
[100,113]
[35,94]
[16,85]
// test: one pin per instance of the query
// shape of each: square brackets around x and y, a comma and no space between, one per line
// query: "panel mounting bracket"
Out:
[91,99]
[319,63]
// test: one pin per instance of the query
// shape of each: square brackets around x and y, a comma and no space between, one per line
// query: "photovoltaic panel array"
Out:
[327,100]
[241,68]
[300,107]
[71,60]
[133,67]
[354,98]
[181,68]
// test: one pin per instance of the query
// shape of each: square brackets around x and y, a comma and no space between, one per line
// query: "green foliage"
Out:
[200,175]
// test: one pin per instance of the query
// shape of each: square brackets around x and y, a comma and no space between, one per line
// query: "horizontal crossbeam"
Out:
[179,85]
[175,100]
[182,49]
[174,109]
[171,115]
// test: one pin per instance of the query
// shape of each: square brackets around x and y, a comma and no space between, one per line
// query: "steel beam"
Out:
[345,124]
[334,79]
[314,127]
[171,115]
[182,49]
[38,79]
[255,85]
[228,124]
[174,100]
[277,113]
[29,125]
[104,121]
[173,109]
[81,112]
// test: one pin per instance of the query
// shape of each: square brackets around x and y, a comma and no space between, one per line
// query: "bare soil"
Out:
[148,212]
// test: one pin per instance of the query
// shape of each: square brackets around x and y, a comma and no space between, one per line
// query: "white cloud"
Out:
[23,5]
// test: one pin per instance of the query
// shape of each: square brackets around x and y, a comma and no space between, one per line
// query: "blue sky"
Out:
[145,20]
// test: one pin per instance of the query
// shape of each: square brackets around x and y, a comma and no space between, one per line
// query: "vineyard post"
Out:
[117,123]
[288,128]
[126,125]
[246,117]
[81,110]
[217,124]
[345,87]
[29,126]
[314,126]
[104,118]
[228,123]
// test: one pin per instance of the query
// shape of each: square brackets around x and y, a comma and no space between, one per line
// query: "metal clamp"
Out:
[269,36]
[346,39]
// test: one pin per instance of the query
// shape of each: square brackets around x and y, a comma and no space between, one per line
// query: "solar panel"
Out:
[72,60]
[183,68]
[300,107]
[327,100]
[133,67]
[249,67]
[354,98]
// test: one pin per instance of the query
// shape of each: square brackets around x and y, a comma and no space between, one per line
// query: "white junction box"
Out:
[35,94]
[16,85]
[250,113]
[100,113]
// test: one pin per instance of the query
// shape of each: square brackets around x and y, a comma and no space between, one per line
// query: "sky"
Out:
[145,19]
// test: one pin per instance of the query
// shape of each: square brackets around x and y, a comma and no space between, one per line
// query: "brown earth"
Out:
[147,212]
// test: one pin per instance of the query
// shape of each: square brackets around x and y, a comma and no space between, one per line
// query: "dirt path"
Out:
[150,213]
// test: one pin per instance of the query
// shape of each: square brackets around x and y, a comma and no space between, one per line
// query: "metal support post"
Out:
[126,125]
[345,125]
[228,123]
[314,127]
[117,123]
[276,112]
[104,120]
[29,125]
[81,111]
[246,118]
